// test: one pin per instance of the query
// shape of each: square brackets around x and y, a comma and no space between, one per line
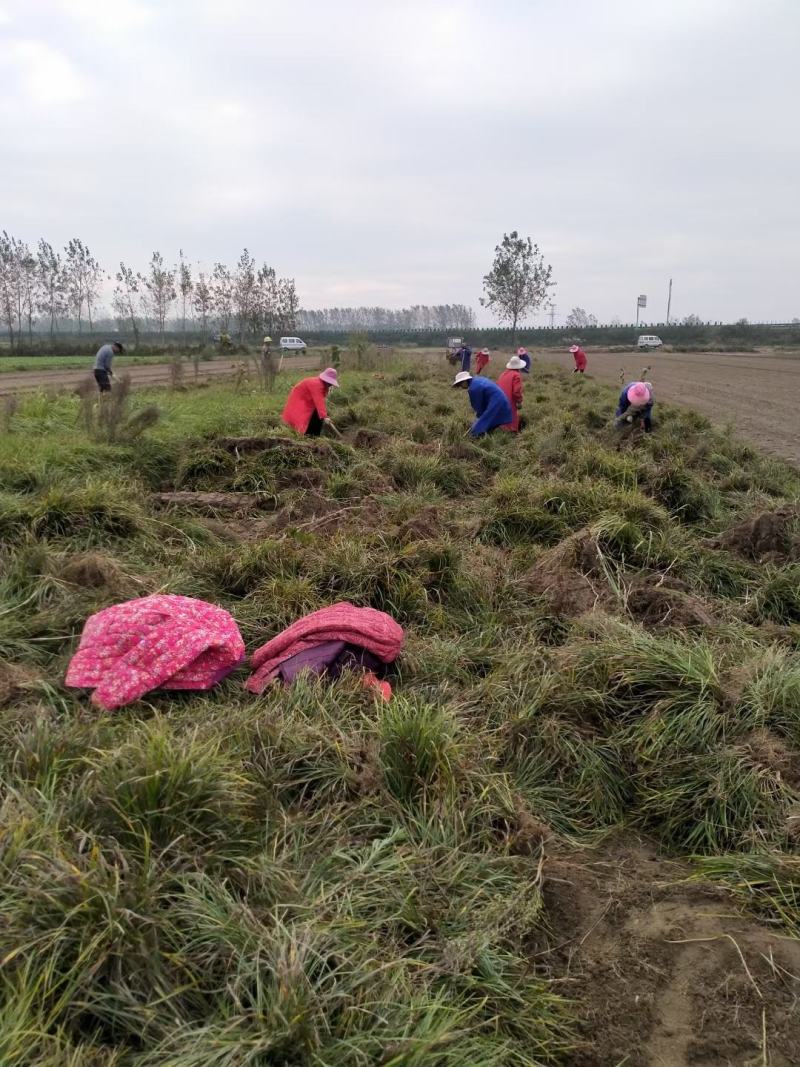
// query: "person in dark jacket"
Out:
[523,354]
[103,359]
[636,401]
[464,354]
[488,401]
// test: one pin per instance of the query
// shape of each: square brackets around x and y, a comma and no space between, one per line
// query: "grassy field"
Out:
[603,642]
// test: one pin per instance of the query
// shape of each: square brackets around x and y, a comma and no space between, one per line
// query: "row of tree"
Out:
[419,317]
[42,289]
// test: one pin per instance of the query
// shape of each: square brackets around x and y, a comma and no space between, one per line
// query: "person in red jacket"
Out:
[481,359]
[305,409]
[510,381]
[580,359]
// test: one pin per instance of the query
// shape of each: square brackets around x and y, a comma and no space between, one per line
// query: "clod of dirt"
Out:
[767,535]
[568,577]
[772,752]
[210,503]
[426,525]
[13,681]
[303,478]
[656,602]
[370,439]
[90,571]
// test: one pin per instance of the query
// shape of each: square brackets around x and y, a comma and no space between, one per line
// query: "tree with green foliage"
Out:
[518,282]
[578,319]
[203,302]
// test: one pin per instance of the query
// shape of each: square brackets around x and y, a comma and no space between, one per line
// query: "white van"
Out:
[292,344]
[648,341]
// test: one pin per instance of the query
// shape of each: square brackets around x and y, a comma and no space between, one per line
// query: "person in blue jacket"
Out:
[465,355]
[524,355]
[636,401]
[488,400]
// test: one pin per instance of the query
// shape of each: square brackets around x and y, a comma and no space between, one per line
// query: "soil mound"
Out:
[665,602]
[569,577]
[426,525]
[772,752]
[370,439]
[90,571]
[667,972]
[13,681]
[764,536]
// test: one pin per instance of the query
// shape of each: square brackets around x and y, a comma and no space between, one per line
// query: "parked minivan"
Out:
[292,344]
[648,341]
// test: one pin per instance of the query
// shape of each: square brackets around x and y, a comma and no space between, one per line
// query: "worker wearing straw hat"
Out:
[481,359]
[305,409]
[488,401]
[635,402]
[510,381]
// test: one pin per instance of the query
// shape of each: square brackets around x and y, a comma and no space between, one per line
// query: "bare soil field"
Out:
[758,393]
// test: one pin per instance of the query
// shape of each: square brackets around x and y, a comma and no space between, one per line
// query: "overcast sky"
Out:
[376,150]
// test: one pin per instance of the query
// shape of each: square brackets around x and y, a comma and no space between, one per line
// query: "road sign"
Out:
[642,301]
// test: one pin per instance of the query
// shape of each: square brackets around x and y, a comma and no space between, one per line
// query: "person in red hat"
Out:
[305,409]
[580,359]
[481,359]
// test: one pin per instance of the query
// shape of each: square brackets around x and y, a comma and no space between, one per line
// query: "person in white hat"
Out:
[305,409]
[510,381]
[488,401]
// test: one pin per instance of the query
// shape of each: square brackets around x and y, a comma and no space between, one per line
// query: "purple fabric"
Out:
[316,659]
[331,657]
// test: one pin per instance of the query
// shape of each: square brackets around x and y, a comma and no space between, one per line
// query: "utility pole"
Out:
[669,300]
[552,312]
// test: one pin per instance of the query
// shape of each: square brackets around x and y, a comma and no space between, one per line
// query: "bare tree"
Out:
[29,286]
[203,302]
[518,282]
[84,278]
[52,298]
[222,290]
[185,286]
[9,285]
[244,290]
[127,298]
[160,285]
[578,319]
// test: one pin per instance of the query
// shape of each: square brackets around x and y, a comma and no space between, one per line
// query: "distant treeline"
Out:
[690,334]
[418,317]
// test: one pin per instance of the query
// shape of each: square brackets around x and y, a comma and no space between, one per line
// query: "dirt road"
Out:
[144,374]
[757,393]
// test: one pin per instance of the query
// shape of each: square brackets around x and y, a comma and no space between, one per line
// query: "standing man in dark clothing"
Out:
[102,365]
[465,355]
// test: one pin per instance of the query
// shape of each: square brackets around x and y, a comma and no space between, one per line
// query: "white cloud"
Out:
[39,73]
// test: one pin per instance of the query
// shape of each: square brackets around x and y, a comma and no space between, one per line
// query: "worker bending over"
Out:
[305,409]
[488,401]
[636,402]
[510,381]
[580,359]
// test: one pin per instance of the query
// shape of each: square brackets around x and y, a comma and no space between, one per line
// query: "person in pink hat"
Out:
[305,409]
[580,359]
[636,402]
